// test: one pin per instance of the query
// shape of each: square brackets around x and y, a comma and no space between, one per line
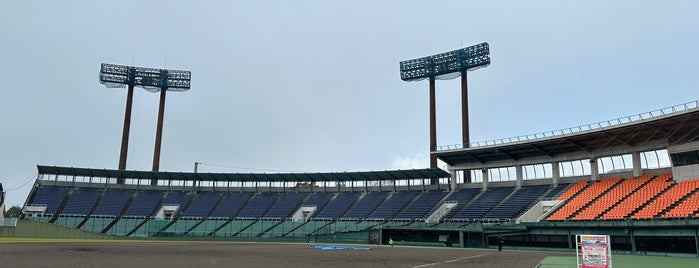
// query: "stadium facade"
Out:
[634,178]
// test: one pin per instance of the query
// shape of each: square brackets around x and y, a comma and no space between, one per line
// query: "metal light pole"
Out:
[446,66]
[150,79]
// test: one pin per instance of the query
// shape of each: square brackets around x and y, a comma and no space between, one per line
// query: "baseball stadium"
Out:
[634,179]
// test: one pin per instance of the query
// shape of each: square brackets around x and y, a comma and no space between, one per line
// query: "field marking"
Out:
[450,261]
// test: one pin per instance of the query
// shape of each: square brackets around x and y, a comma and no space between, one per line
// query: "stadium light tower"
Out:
[444,66]
[152,80]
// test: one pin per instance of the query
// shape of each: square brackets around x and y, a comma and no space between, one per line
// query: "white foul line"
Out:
[450,261]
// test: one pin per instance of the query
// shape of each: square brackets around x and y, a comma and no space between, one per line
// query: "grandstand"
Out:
[537,190]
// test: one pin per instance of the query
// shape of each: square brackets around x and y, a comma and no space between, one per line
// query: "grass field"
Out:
[627,261]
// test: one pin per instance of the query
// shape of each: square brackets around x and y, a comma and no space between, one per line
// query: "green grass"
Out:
[627,261]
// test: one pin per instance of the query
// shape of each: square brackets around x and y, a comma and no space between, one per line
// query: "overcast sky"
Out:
[314,85]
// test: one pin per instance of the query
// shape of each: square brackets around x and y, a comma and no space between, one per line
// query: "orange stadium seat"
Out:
[615,195]
[637,199]
[582,199]
[574,189]
[667,199]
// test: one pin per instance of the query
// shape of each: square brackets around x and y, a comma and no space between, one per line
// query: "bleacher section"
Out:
[667,199]
[81,202]
[421,206]
[338,205]
[144,203]
[516,203]
[583,198]
[51,197]
[318,200]
[286,205]
[611,198]
[113,202]
[203,205]
[392,205]
[637,199]
[259,205]
[366,205]
[478,207]
[268,214]
[230,205]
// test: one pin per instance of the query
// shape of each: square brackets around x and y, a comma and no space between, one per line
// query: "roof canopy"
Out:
[673,127]
[433,173]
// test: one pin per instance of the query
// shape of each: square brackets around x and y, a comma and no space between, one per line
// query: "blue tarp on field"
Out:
[339,247]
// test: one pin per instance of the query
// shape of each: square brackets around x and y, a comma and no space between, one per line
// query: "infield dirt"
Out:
[221,254]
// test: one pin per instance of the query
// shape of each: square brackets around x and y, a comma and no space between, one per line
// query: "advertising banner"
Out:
[594,251]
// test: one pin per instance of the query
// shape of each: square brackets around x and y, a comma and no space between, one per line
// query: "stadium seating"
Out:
[365,205]
[583,198]
[517,202]
[113,202]
[461,197]
[421,206]
[230,205]
[666,199]
[51,197]
[617,194]
[478,207]
[81,202]
[179,198]
[393,204]
[258,205]
[202,205]
[337,206]
[286,205]
[574,189]
[144,203]
[556,191]
[686,208]
[318,200]
[648,191]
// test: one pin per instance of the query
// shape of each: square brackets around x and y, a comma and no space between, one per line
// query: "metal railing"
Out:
[582,128]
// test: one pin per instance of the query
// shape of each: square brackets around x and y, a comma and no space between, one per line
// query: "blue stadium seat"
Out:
[338,205]
[144,203]
[482,204]
[230,205]
[517,202]
[392,205]
[286,205]
[365,205]
[81,201]
[258,205]
[113,202]
[423,204]
[50,196]
[202,205]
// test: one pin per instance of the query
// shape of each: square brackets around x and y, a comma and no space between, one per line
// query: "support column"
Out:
[485,178]
[594,170]
[556,173]
[433,124]
[159,133]
[633,241]
[520,176]
[465,136]
[636,160]
[452,182]
[125,133]
[433,129]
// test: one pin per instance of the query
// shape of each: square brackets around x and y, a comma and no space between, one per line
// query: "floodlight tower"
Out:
[152,80]
[446,66]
